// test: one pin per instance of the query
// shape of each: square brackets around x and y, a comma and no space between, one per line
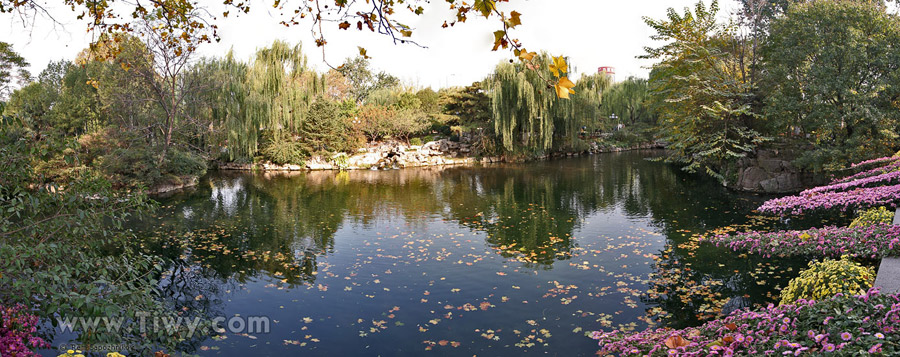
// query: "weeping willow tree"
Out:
[527,114]
[228,108]
[273,92]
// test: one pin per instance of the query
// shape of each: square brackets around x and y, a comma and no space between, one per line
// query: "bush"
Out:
[873,216]
[828,278]
[180,163]
[324,130]
[131,166]
[281,148]
[415,141]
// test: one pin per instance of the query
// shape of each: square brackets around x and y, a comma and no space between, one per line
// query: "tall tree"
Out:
[833,71]
[702,81]
[468,106]
[362,80]
[526,112]
[629,100]
[12,69]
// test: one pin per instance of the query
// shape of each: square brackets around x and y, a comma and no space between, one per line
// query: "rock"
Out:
[364,160]
[317,163]
[766,173]
[750,177]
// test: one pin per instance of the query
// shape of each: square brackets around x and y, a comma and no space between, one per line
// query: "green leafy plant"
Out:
[181,163]
[280,148]
[827,278]
[342,161]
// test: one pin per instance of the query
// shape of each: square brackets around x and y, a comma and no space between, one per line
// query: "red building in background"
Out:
[609,71]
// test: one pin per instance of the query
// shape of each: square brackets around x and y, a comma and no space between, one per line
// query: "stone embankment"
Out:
[769,171]
[395,155]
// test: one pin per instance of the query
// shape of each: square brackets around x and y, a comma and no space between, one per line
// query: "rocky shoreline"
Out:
[396,155]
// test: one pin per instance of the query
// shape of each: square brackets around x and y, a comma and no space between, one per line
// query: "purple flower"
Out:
[875,349]
[846,336]
[829,348]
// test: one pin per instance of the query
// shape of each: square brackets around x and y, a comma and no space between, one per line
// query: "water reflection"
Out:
[594,221]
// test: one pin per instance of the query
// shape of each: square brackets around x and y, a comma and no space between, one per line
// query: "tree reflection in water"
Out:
[236,226]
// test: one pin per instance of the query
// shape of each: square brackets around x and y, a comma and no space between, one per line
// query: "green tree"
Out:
[362,81]
[31,104]
[12,68]
[325,129]
[832,70]
[280,88]
[527,114]
[704,89]
[629,100]
[468,106]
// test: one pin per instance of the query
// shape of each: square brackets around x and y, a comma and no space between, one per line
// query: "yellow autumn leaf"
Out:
[514,19]
[526,56]
[564,88]
[559,66]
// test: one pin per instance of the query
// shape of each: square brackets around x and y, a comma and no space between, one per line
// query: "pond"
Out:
[498,260]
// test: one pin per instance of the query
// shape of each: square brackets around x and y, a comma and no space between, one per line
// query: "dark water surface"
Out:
[500,260]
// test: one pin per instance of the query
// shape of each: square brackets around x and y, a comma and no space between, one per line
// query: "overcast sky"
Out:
[592,33]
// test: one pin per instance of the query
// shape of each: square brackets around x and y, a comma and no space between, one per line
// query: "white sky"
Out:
[592,33]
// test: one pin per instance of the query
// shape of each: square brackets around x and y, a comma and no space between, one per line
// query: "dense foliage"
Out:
[817,78]
[65,251]
[527,116]
[703,81]
[832,77]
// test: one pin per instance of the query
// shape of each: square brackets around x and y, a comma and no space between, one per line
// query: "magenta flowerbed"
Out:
[872,172]
[876,241]
[860,197]
[17,329]
[844,325]
[880,160]
[877,180]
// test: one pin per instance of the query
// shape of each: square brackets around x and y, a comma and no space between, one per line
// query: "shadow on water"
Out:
[504,260]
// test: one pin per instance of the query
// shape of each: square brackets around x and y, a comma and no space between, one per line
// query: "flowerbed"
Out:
[17,327]
[861,197]
[843,325]
[876,241]
[879,160]
[872,172]
[885,178]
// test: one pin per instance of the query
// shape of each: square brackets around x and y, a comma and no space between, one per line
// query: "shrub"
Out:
[342,161]
[415,141]
[131,166]
[825,279]
[281,148]
[324,130]
[180,163]
[873,216]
